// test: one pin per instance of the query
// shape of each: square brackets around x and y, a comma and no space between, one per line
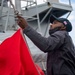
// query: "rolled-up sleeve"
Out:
[45,44]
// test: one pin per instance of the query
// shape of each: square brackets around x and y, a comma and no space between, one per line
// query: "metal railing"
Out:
[65,1]
[60,1]
[36,2]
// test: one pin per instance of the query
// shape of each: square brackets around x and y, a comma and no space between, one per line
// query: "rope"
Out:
[15,11]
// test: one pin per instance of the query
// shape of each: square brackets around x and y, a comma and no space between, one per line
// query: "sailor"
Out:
[59,45]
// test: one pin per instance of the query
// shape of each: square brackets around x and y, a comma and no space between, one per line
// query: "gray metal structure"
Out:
[37,15]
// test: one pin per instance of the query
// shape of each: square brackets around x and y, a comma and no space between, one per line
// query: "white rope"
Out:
[15,11]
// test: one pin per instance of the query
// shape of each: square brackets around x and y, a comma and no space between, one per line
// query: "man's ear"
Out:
[63,28]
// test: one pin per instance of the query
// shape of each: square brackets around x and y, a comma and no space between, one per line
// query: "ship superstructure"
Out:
[37,16]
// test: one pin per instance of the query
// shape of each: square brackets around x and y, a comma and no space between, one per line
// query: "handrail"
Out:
[69,1]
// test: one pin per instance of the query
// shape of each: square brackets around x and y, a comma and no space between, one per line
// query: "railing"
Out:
[65,1]
[33,2]
[60,1]
[41,1]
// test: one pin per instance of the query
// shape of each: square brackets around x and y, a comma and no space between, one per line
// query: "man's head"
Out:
[60,24]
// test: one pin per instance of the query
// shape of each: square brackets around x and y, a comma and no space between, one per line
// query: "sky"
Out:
[71,16]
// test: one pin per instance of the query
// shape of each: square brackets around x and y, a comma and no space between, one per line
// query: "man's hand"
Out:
[22,22]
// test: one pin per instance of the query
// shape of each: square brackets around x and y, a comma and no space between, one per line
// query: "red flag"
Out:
[15,57]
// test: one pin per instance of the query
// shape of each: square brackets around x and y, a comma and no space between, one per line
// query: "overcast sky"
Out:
[71,17]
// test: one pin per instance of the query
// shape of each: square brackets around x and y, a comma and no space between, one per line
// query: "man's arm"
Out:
[44,44]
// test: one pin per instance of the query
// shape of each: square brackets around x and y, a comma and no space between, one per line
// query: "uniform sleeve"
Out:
[45,44]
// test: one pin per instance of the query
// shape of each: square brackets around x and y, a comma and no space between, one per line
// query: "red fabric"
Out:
[15,58]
